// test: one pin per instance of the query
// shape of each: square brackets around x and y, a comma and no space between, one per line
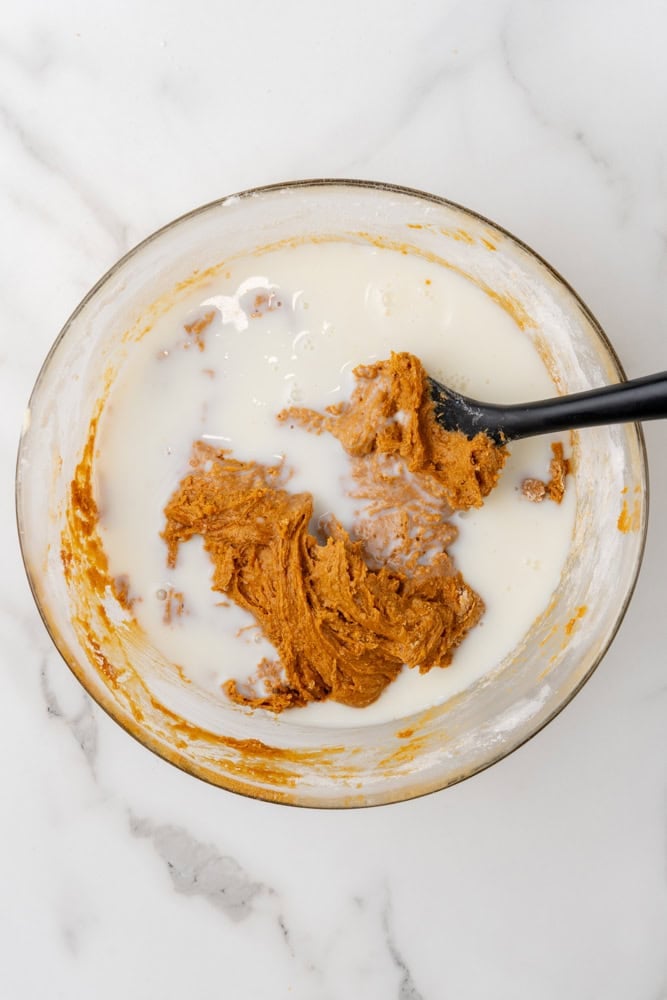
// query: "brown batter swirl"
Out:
[344,614]
[537,490]
[391,413]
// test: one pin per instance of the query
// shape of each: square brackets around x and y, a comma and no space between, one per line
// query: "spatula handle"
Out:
[639,399]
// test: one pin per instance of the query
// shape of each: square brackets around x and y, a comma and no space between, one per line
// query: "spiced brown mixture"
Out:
[537,490]
[345,611]
[196,330]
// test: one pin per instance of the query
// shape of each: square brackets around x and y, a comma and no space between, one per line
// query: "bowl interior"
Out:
[275,758]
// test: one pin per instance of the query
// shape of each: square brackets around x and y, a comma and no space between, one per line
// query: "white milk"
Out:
[340,305]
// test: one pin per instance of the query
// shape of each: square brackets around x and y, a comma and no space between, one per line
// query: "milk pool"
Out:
[287,327]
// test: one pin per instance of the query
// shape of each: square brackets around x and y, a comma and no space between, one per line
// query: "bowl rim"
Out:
[267,795]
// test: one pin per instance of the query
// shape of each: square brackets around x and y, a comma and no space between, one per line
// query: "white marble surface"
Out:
[544,877]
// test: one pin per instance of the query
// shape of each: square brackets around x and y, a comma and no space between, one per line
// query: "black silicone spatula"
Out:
[640,399]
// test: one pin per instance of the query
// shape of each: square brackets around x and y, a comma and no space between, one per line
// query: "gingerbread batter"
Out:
[345,613]
[537,490]
[391,413]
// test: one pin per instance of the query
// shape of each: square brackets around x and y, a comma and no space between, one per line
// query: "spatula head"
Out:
[455,412]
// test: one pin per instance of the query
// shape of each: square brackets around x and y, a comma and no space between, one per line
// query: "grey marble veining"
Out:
[198,869]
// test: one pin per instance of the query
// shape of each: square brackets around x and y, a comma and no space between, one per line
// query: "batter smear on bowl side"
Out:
[345,612]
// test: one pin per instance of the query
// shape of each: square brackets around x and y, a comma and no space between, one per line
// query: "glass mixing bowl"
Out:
[275,758]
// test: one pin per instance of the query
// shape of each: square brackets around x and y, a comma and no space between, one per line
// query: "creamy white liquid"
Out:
[340,305]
